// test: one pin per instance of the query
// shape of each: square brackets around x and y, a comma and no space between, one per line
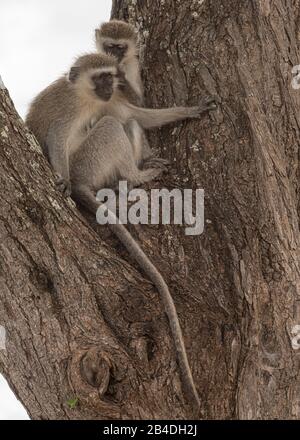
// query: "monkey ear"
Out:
[74,73]
[97,33]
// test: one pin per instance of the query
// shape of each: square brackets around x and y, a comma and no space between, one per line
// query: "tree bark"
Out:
[83,324]
[241,277]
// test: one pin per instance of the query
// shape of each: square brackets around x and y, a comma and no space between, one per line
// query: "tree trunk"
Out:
[241,278]
[86,333]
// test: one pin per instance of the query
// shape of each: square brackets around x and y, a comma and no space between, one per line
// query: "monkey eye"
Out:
[106,75]
[120,46]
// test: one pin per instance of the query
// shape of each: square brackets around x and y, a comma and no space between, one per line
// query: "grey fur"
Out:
[62,114]
[131,83]
[92,144]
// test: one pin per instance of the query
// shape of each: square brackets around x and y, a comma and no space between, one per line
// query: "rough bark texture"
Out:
[83,322]
[241,277]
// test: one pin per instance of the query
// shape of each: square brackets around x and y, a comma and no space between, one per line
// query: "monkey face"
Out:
[118,50]
[103,85]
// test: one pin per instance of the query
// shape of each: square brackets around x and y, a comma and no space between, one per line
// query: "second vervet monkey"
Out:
[120,39]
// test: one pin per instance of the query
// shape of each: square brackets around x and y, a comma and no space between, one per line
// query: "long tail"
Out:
[143,261]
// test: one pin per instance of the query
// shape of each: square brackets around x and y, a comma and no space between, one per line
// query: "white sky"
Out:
[38,41]
[40,38]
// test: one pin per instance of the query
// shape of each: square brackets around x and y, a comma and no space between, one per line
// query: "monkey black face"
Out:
[103,85]
[118,50]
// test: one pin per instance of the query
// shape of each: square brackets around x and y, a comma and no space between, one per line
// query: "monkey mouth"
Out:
[105,96]
[120,57]
[116,54]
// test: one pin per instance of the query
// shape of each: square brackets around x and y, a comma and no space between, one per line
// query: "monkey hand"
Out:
[63,185]
[206,104]
[121,78]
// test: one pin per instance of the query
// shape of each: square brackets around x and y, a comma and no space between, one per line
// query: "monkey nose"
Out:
[119,53]
[108,93]
[120,56]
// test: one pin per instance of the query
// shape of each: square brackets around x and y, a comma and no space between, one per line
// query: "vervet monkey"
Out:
[62,114]
[120,39]
[82,121]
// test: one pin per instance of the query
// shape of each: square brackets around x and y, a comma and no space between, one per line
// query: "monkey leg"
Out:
[135,176]
[142,152]
[147,152]
[84,195]
[137,136]
[106,156]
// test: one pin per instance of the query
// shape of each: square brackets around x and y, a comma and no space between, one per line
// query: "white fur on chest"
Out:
[81,127]
[91,114]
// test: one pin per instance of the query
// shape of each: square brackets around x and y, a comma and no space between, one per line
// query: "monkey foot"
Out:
[156,162]
[63,185]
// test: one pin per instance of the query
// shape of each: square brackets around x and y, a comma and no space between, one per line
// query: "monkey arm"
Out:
[129,93]
[58,157]
[151,118]
[132,96]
